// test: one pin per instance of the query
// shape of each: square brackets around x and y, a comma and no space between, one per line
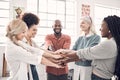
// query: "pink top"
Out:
[57,43]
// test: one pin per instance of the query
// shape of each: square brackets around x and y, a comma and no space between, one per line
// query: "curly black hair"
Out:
[114,27]
[30,19]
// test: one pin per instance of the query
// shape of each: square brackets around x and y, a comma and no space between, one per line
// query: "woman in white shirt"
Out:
[106,55]
[19,55]
[32,21]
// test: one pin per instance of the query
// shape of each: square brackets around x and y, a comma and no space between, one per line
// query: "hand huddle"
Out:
[63,56]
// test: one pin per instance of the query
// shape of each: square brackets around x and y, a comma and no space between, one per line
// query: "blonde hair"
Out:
[15,27]
[90,22]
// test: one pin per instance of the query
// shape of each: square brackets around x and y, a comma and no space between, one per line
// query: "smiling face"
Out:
[16,30]
[32,31]
[104,29]
[21,35]
[57,27]
[85,26]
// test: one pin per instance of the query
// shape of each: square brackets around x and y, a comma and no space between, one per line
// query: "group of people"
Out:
[94,60]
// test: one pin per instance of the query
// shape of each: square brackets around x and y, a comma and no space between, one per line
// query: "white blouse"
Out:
[41,69]
[18,58]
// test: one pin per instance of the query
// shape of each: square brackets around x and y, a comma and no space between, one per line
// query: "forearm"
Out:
[49,63]
[71,60]
[72,57]
[48,54]
[70,54]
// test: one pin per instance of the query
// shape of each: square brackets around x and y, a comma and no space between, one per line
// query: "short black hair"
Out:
[30,19]
[113,23]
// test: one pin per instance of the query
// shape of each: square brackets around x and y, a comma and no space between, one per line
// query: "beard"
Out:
[57,32]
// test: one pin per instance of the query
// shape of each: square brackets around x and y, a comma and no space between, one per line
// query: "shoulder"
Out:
[95,37]
[108,45]
[10,44]
[11,47]
[80,37]
[66,36]
[111,43]
[49,35]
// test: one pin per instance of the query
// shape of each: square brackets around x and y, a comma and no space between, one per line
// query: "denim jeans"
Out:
[94,77]
[56,77]
[34,72]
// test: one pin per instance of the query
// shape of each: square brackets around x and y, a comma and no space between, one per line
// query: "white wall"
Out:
[112,3]
[17,3]
[79,6]
[23,3]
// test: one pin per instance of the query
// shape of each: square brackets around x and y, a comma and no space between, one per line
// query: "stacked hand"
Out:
[63,56]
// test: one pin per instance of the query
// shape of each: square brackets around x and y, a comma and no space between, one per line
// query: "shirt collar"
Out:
[24,40]
[88,35]
[62,36]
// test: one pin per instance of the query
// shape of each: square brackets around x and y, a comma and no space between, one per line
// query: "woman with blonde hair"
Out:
[19,55]
[88,38]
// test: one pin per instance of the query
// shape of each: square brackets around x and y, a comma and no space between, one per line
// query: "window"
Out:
[4,19]
[103,11]
[48,11]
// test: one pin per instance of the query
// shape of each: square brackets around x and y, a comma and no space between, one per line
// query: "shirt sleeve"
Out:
[104,50]
[20,54]
[32,49]
[67,43]
[76,44]
[95,41]
[48,42]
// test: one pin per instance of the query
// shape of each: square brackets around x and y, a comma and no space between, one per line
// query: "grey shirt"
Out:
[103,56]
